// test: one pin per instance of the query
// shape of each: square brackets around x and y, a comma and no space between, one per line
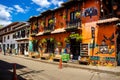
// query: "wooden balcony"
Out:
[48,29]
[73,24]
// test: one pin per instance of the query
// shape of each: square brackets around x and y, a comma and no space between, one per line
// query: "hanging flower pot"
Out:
[67,40]
[77,14]
[51,39]
[42,23]
[76,36]
[59,44]
[43,40]
[51,21]
[64,17]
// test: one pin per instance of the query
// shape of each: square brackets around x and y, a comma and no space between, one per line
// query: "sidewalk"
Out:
[103,69]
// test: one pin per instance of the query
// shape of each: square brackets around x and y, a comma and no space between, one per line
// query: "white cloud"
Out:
[57,2]
[38,9]
[42,3]
[4,23]
[5,16]
[19,9]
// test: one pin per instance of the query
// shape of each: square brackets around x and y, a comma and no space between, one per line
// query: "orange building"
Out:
[85,29]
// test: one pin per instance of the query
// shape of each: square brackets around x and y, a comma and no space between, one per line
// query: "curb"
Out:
[72,65]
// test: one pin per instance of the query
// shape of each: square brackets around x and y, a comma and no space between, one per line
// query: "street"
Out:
[33,70]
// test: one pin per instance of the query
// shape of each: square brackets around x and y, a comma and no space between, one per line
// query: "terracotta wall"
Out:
[88,4]
[106,30]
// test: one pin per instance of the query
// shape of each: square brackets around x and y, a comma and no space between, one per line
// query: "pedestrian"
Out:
[4,51]
[10,51]
[118,58]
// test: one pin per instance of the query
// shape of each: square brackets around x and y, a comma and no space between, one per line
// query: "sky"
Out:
[22,10]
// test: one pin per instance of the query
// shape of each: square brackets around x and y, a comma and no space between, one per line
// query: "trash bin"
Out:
[65,57]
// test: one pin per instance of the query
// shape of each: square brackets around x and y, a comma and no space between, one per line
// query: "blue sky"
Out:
[21,10]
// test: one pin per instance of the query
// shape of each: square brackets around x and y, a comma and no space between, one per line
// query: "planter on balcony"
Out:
[76,36]
[64,16]
[69,28]
[42,23]
[51,21]
[47,31]
[77,14]
[33,34]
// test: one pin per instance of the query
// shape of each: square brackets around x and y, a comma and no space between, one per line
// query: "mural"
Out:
[92,11]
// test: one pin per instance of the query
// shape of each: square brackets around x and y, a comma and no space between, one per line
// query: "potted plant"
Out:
[51,39]
[77,14]
[67,40]
[43,40]
[76,36]
[42,23]
[51,21]
[64,16]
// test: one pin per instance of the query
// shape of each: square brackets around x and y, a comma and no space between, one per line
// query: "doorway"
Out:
[75,48]
[118,45]
[50,46]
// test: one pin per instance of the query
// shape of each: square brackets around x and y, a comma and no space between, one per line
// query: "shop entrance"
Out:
[75,48]
[50,46]
[118,46]
[22,49]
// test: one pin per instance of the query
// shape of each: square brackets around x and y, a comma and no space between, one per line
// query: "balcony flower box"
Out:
[77,14]
[51,21]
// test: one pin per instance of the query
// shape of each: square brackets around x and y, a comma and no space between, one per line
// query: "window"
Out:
[4,39]
[72,16]
[7,46]
[8,37]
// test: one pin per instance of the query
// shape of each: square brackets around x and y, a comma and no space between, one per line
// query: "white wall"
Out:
[9,41]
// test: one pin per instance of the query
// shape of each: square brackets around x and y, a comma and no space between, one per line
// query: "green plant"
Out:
[51,21]
[77,14]
[43,40]
[76,36]
[59,43]
[42,23]
[64,16]
[51,39]
[67,40]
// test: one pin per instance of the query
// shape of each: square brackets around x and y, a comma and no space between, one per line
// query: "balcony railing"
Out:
[48,29]
[73,24]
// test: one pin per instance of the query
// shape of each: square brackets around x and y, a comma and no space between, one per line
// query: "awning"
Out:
[118,24]
[58,30]
[39,34]
[107,20]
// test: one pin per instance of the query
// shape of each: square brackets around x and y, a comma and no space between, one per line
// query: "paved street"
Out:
[34,70]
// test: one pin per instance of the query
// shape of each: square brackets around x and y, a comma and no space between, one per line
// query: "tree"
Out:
[1,26]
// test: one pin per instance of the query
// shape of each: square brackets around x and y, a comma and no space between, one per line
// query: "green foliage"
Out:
[43,40]
[77,14]
[51,21]
[76,36]
[64,17]
[51,39]
[1,26]
[67,40]
[42,23]
[59,44]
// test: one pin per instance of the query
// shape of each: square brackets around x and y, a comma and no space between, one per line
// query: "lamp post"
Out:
[93,39]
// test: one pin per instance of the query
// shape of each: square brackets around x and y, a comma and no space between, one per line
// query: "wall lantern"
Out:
[115,6]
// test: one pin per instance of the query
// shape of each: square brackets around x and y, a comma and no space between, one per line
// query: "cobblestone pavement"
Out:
[34,70]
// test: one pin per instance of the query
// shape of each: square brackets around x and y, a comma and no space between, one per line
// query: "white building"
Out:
[13,36]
